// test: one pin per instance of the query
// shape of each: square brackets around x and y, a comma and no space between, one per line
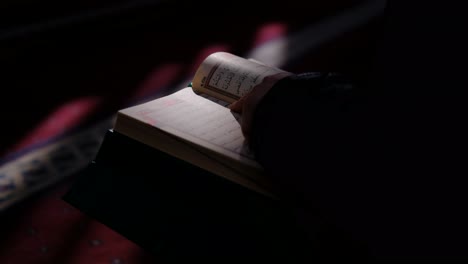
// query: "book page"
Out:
[215,100]
[197,120]
[229,77]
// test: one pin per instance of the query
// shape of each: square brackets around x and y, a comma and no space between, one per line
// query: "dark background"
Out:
[52,51]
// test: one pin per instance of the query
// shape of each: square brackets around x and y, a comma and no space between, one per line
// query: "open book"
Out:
[194,124]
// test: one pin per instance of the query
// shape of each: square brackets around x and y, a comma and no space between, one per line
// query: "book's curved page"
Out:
[229,77]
